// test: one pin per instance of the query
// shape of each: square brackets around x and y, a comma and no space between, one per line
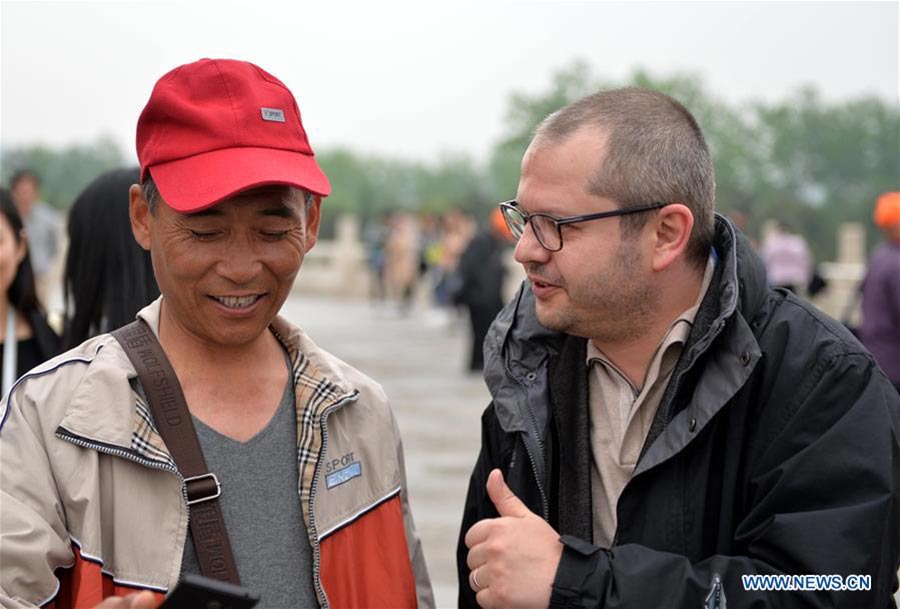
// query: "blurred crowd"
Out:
[790,266]
[459,264]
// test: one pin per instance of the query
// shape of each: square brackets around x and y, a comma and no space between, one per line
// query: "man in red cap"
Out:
[304,448]
[880,327]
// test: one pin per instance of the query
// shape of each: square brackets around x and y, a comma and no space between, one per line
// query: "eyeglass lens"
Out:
[544,227]
[515,221]
[546,231]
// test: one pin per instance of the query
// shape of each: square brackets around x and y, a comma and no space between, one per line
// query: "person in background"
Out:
[43,225]
[401,260]
[26,339]
[431,245]
[880,327]
[375,237]
[108,277]
[456,232]
[480,284]
[787,259]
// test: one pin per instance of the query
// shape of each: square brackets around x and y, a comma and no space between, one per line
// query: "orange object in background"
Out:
[887,210]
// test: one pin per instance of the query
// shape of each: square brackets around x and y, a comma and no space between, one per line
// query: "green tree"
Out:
[372,186]
[523,114]
[801,160]
[828,161]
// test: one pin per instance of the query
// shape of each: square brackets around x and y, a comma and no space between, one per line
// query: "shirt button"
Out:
[693,425]
[745,358]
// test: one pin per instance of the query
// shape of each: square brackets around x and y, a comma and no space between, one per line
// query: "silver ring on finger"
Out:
[475,585]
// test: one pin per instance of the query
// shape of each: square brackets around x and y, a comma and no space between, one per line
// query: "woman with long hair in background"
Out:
[25,337]
[108,277]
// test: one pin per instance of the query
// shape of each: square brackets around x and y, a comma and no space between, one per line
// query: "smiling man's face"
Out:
[225,272]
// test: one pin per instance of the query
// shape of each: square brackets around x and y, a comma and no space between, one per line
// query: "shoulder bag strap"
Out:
[173,420]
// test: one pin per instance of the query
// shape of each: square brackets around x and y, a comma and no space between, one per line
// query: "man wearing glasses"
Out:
[666,427]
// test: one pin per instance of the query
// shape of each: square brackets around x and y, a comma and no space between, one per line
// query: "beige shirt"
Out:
[621,415]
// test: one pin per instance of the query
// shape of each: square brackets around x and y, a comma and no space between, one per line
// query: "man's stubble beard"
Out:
[614,307]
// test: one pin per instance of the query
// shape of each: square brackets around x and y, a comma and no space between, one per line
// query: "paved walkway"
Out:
[419,359]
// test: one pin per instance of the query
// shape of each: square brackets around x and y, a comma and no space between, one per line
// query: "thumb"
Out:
[141,600]
[505,500]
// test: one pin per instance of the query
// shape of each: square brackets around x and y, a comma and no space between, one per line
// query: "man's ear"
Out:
[313,218]
[141,218]
[673,231]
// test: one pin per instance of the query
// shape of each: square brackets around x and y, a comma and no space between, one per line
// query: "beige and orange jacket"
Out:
[91,503]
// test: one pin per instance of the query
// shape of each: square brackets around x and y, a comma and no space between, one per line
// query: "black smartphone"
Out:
[197,592]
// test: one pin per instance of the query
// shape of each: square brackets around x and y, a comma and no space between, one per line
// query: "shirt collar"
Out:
[678,330]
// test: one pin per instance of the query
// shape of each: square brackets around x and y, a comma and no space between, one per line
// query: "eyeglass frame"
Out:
[513,205]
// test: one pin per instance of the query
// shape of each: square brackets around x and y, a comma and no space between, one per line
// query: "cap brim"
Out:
[198,182]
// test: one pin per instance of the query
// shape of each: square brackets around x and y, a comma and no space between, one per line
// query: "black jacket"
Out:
[480,273]
[775,450]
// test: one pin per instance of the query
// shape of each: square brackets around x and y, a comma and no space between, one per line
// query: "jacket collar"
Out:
[722,334]
[102,408]
[107,408]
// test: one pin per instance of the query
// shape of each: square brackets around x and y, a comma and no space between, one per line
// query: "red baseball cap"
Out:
[216,127]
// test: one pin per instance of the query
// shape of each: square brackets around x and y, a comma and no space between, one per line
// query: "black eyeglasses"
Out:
[548,229]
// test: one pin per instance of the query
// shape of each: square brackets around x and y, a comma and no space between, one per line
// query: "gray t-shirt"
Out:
[261,507]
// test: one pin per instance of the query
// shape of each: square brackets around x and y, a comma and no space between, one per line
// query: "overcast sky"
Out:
[414,80]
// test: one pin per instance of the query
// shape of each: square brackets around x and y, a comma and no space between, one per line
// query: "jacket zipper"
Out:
[668,407]
[128,455]
[317,580]
[716,597]
[544,503]
[122,453]
[666,411]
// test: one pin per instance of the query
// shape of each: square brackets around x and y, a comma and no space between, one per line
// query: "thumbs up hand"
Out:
[512,559]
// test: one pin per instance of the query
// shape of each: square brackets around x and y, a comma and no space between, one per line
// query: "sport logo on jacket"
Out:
[339,471]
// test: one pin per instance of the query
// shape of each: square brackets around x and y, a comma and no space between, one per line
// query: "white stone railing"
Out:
[840,299]
[337,267]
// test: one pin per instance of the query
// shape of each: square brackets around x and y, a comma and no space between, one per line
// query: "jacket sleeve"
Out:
[424,592]
[823,500]
[478,505]
[33,537]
